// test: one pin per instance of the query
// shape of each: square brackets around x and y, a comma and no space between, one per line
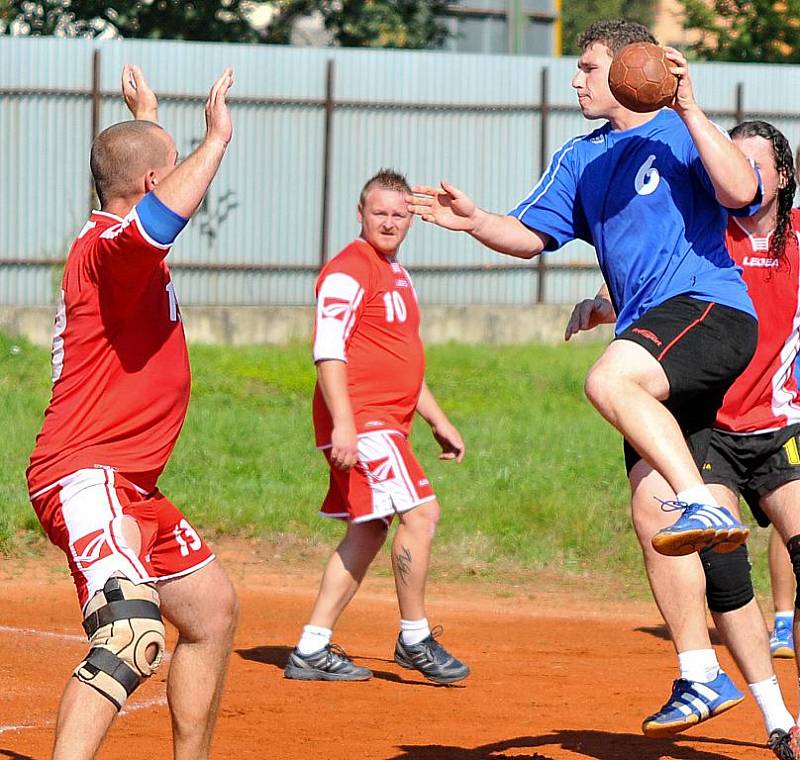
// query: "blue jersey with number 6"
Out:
[644,200]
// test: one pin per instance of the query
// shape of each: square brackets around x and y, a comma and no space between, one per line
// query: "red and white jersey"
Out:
[765,396]
[121,374]
[367,316]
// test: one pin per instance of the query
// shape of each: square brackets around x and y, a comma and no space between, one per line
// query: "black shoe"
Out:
[430,658]
[784,743]
[329,664]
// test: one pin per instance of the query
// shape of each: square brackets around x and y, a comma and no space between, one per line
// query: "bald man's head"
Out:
[125,154]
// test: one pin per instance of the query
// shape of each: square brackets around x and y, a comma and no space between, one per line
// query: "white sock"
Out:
[770,700]
[697,495]
[414,631]
[313,639]
[784,616]
[698,665]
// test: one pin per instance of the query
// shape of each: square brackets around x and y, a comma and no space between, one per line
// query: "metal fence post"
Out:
[96,100]
[739,102]
[326,162]
[544,124]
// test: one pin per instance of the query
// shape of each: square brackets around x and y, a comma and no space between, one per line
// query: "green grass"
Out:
[543,484]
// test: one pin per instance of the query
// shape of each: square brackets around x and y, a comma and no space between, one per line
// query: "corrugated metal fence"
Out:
[311,126]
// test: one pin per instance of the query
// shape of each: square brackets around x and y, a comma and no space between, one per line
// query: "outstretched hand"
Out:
[218,117]
[138,95]
[446,206]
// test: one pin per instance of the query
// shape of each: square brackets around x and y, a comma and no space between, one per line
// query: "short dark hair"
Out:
[121,153]
[386,179]
[615,34]
[784,165]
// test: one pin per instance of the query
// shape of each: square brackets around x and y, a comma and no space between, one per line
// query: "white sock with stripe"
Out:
[414,631]
[699,665]
[314,638]
[770,701]
[697,495]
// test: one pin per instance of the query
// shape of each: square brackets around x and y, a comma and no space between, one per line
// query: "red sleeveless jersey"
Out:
[367,316]
[765,396]
[120,366]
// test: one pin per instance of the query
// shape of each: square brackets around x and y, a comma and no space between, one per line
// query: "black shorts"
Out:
[703,347]
[754,465]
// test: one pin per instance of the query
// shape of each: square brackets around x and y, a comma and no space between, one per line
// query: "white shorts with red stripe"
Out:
[386,481]
[82,515]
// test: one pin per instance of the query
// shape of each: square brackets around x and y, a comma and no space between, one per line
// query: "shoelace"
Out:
[334,650]
[671,505]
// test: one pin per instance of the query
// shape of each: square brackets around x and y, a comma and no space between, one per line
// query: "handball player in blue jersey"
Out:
[652,193]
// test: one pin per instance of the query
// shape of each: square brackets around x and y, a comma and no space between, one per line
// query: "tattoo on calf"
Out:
[402,563]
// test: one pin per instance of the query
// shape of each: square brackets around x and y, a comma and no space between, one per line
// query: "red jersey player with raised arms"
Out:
[120,392]
[370,381]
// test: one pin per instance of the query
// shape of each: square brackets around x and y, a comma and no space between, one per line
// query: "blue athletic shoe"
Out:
[701,526]
[781,642]
[692,702]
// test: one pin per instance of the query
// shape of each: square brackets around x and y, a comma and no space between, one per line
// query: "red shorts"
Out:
[81,515]
[386,481]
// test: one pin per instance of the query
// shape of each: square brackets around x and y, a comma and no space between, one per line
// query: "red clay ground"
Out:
[554,677]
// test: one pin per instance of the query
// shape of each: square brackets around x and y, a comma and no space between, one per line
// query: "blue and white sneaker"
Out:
[692,702]
[701,526]
[781,641]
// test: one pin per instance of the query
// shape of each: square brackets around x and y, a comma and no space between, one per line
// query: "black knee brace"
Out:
[793,545]
[729,585]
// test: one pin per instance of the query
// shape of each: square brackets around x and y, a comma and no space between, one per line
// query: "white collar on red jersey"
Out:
[106,213]
[758,243]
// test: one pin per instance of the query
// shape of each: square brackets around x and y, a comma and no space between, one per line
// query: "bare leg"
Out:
[627,385]
[781,506]
[411,553]
[346,569]
[677,583]
[781,574]
[84,717]
[204,609]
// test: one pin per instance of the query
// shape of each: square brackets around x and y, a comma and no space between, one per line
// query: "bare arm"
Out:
[184,188]
[734,179]
[332,379]
[449,207]
[443,430]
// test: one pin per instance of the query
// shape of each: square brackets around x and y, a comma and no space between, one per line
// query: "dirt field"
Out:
[556,676]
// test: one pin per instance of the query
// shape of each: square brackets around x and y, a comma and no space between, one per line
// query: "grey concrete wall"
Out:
[280,325]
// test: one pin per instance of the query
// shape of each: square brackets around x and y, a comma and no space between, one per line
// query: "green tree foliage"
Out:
[367,23]
[220,20]
[761,31]
[351,23]
[578,14]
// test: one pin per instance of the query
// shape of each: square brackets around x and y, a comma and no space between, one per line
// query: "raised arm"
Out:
[184,189]
[443,430]
[452,209]
[734,179]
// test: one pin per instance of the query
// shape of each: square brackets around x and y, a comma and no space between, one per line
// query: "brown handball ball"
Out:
[640,78]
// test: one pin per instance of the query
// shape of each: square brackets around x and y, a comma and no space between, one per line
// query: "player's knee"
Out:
[426,518]
[596,387]
[729,584]
[793,546]
[126,633]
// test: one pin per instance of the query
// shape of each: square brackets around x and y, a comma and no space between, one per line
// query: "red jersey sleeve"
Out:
[123,259]
[341,290]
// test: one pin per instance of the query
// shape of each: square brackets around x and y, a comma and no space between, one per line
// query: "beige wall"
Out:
[668,25]
[252,325]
